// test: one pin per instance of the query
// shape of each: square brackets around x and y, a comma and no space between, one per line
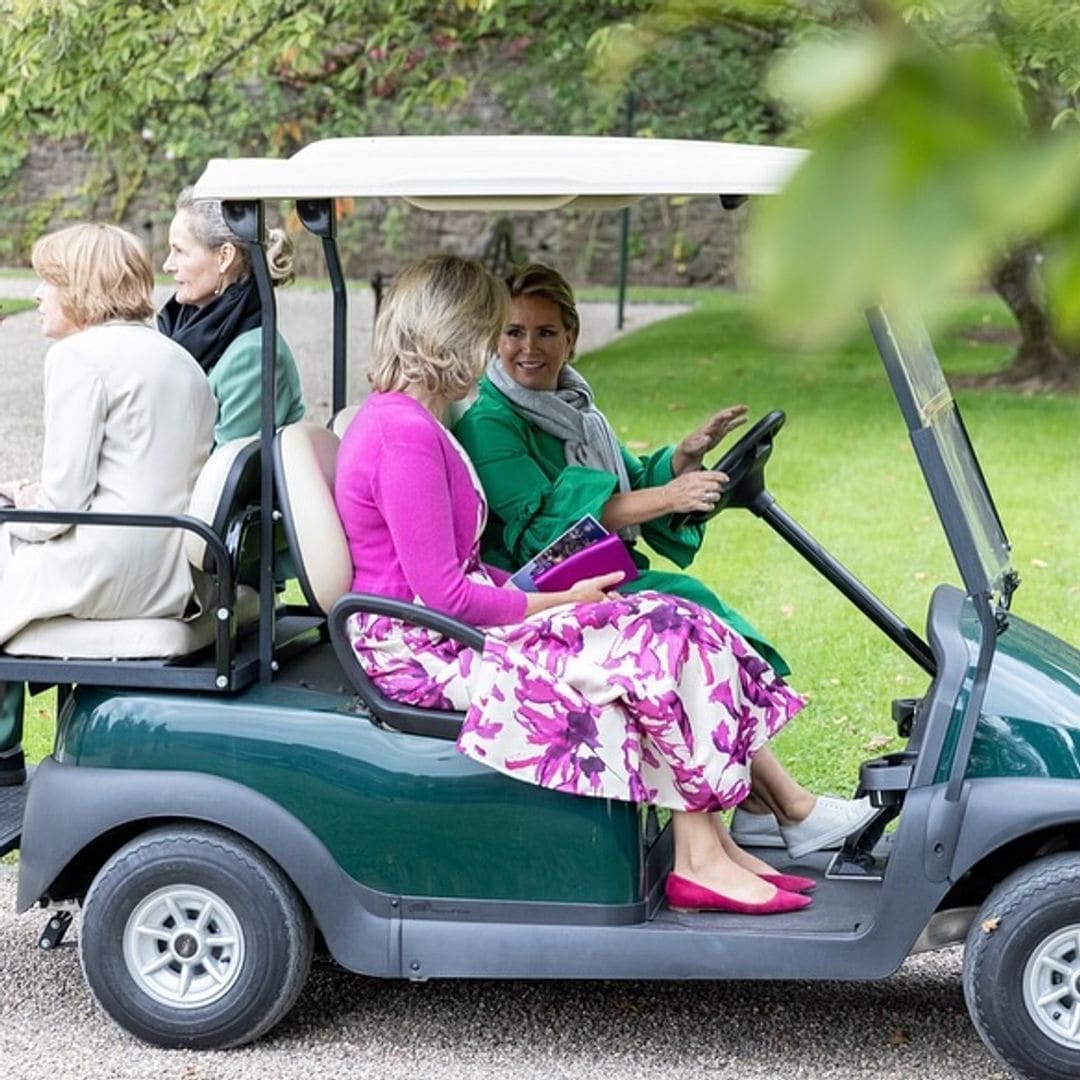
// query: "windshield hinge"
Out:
[1010,582]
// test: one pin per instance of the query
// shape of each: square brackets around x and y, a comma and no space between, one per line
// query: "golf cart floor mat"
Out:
[12,805]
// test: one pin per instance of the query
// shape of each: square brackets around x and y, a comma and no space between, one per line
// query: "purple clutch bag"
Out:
[602,557]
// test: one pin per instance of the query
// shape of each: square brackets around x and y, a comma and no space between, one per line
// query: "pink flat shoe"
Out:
[790,882]
[683,895]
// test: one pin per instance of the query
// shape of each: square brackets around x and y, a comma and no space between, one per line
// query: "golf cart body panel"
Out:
[333,798]
[449,936]
[369,794]
[1030,723]
[138,800]
[859,931]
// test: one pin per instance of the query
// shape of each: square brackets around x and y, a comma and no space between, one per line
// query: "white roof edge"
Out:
[480,168]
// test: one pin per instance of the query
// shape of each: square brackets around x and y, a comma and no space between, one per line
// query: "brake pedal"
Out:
[858,860]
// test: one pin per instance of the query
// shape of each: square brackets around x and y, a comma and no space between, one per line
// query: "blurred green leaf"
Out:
[913,190]
[824,77]
[1062,273]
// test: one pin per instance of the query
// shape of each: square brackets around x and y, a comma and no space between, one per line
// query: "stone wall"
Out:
[671,242]
[60,183]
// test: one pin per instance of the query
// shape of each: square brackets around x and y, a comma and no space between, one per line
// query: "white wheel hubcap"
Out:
[1052,987]
[184,946]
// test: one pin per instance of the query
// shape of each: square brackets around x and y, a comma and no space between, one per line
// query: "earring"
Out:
[220,287]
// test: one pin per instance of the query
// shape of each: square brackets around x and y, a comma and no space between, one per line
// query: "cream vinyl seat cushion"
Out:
[66,638]
[224,481]
[342,419]
[305,462]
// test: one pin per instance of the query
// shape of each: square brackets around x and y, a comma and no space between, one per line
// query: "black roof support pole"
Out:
[248,221]
[319,218]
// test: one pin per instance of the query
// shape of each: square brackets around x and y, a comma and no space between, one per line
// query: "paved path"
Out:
[305,321]
[913,1025]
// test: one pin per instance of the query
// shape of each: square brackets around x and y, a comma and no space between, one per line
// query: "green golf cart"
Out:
[228,796]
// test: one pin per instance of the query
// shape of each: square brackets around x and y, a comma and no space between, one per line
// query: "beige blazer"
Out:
[129,422]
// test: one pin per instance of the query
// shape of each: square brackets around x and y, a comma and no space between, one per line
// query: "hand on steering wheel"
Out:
[743,465]
[698,491]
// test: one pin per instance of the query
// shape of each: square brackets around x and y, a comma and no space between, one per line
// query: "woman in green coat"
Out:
[546,456]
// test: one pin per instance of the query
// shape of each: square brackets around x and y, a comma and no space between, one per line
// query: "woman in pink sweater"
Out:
[645,698]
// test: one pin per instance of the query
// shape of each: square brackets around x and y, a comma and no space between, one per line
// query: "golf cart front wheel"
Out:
[192,937]
[1022,969]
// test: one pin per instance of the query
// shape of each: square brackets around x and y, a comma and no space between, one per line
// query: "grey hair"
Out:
[437,326]
[211,230]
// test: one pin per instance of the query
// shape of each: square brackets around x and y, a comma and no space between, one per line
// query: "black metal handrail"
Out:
[439,723]
[224,594]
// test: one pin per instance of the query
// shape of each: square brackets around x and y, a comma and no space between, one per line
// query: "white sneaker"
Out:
[827,825]
[755,830]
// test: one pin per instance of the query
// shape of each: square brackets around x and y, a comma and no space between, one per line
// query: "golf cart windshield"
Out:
[956,482]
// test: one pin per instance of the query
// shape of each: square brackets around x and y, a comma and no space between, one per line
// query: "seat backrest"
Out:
[341,420]
[227,485]
[305,458]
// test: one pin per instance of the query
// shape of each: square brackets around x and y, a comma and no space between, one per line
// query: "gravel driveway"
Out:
[305,321]
[912,1025]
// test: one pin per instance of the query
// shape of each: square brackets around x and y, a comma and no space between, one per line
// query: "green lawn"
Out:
[12,306]
[844,469]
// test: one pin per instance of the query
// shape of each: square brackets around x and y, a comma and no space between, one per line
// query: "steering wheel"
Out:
[744,463]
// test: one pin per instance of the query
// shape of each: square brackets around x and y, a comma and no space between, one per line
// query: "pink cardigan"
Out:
[410,511]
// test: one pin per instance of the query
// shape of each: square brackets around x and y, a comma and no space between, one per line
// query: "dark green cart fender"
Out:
[356,921]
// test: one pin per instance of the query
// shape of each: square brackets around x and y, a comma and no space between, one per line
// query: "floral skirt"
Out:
[646,698]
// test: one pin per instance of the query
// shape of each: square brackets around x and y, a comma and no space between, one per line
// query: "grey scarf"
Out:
[569,414]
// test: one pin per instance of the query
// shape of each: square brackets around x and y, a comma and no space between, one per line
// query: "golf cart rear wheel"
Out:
[192,937]
[1022,969]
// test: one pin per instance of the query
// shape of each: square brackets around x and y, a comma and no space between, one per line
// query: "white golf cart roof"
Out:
[504,172]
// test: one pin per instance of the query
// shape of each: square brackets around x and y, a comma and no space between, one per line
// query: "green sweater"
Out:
[534,496]
[236,380]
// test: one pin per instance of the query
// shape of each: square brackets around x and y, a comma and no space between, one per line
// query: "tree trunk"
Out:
[1042,361]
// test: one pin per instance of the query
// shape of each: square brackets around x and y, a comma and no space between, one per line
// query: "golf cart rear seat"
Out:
[162,652]
[340,421]
[305,459]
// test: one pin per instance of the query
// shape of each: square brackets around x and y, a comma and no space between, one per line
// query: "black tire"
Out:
[191,937]
[1022,969]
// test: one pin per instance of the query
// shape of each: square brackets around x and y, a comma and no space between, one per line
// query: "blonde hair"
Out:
[101,271]
[542,281]
[437,327]
[208,223]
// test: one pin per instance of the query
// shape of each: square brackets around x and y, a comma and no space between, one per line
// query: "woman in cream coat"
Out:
[129,420]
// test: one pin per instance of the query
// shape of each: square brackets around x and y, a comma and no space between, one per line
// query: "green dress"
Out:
[534,496]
